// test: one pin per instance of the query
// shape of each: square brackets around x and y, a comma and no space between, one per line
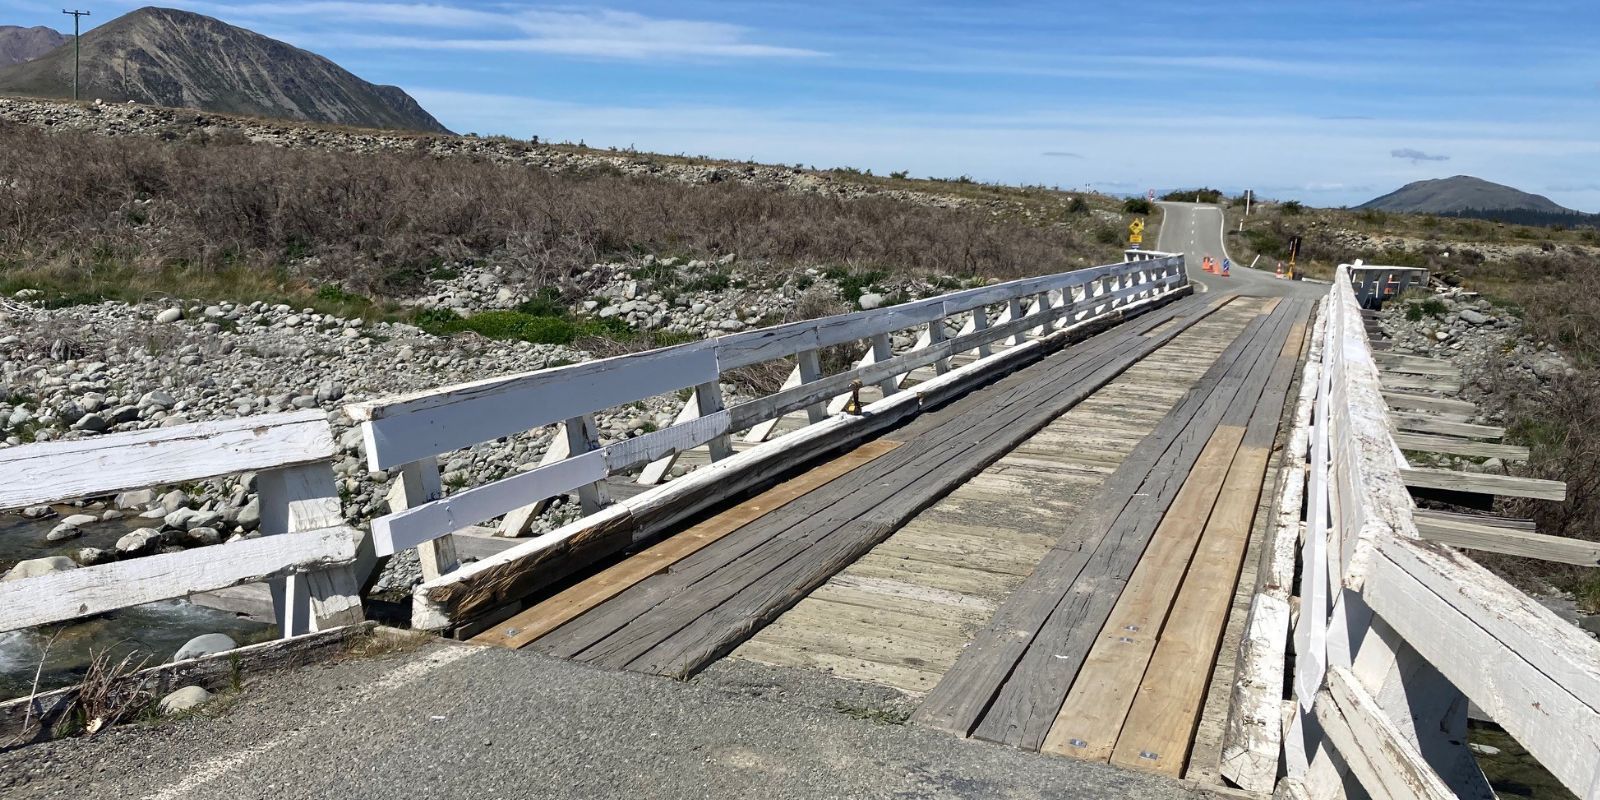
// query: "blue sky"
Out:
[1329,102]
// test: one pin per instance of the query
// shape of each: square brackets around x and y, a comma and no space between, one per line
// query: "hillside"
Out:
[26,44]
[1466,196]
[176,58]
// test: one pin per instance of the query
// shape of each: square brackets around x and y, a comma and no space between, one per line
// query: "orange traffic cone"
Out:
[1280,269]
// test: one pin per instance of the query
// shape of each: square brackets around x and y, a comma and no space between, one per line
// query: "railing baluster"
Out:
[810,366]
[419,483]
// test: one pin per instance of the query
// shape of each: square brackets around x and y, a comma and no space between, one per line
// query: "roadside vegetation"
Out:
[90,217]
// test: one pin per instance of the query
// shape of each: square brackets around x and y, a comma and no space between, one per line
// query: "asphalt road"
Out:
[460,721]
[1195,229]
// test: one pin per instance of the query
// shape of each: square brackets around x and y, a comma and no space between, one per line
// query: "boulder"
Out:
[170,315]
[870,301]
[1473,317]
[79,520]
[181,700]
[89,556]
[35,567]
[205,645]
[138,498]
[139,542]
[63,532]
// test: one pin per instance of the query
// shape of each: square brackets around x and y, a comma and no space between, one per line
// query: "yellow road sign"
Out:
[1135,238]
[1136,227]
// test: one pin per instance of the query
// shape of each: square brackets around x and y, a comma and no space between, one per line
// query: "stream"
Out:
[58,654]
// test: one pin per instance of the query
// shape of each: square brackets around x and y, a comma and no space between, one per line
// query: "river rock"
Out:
[201,536]
[138,498]
[205,645]
[183,699]
[80,520]
[89,556]
[170,315]
[139,542]
[870,301]
[63,532]
[35,567]
[1473,317]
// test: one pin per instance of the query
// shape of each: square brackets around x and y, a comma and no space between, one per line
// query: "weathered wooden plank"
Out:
[106,587]
[51,472]
[1498,539]
[1027,703]
[430,520]
[306,498]
[1388,765]
[1422,402]
[1419,383]
[1442,426]
[1087,725]
[1459,447]
[1416,365]
[771,579]
[586,594]
[1535,674]
[1514,523]
[1483,483]
[961,698]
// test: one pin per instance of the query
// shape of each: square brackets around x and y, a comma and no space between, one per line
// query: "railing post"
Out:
[936,336]
[883,351]
[1042,303]
[1015,304]
[980,322]
[305,498]
[708,400]
[810,366]
[419,483]
[582,436]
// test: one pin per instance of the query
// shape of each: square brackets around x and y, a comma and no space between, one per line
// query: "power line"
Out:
[76,37]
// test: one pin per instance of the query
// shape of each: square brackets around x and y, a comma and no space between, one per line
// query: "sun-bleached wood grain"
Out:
[52,472]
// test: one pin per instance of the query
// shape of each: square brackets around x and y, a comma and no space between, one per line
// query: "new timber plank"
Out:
[568,604]
[1027,705]
[711,600]
[1087,724]
[980,675]
[1160,726]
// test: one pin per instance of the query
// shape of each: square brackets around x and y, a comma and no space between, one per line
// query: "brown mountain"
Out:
[26,44]
[166,57]
[1466,196]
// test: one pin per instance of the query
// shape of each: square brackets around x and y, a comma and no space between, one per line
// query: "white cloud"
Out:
[589,33]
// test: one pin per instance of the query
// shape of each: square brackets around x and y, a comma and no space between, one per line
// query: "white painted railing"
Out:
[1374,283]
[306,552]
[1396,634]
[410,432]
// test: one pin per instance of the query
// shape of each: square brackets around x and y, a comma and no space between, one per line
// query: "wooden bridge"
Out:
[1100,515]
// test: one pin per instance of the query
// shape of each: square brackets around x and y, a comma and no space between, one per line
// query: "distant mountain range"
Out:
[26,44]
[167,57]
[1466,196]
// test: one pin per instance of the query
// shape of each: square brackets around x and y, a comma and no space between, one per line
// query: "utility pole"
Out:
[76,37]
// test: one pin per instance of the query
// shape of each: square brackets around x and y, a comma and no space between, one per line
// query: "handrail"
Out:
[1408,630]
[306,553]
[409,432]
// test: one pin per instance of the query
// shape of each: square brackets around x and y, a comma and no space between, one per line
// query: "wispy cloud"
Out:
[588,33]
[1416,156]
[1061,154]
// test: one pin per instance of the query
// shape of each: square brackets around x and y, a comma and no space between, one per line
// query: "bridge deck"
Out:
[958,555]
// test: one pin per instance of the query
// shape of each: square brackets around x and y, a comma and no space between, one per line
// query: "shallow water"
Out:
[155,630]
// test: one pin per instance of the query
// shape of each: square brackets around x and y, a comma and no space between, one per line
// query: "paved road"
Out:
[1195,229]
[455,721]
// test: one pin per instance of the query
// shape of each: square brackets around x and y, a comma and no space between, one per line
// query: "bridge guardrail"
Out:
[306,552]
[410,432]
[1396,633]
